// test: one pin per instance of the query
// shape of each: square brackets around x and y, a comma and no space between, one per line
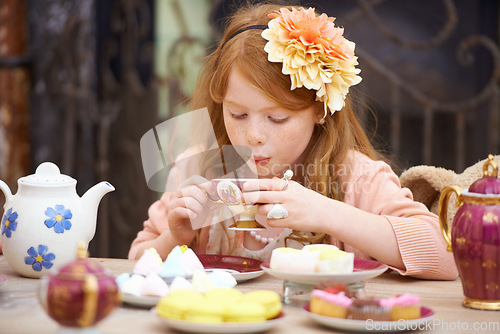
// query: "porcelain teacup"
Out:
[229,192]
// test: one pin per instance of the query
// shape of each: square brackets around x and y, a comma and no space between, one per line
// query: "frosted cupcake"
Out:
[405,306]
[364,309]
[330,304]
[334,287]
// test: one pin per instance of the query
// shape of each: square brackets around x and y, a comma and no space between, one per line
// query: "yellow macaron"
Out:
[267,298]
[227,296]
[177,302]
[206,311]
[246,312]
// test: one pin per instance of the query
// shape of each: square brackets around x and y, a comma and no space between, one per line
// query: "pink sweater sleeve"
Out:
[375,188]
[156,223]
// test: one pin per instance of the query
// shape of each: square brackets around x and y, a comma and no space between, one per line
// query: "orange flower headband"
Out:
[314,53]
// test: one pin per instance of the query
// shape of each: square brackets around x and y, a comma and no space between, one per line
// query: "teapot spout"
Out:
[91,200]
[6,191]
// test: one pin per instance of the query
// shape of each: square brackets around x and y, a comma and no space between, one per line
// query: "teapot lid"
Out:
[81,266]
[489,183]
[47,174]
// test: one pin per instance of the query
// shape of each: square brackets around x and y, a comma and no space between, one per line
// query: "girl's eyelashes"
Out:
[274,119]
[278,119]
[238,116]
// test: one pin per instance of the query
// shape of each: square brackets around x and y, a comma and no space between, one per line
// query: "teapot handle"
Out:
[443,212]
[90,301]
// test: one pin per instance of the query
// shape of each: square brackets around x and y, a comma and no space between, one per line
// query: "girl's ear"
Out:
[320,115]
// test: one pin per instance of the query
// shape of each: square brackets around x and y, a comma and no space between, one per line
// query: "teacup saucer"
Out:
[238,227]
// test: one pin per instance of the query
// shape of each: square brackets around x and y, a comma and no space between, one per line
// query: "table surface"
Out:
[21,311]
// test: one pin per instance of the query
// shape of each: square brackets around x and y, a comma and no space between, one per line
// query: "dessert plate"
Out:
[242,268]
[227,327]
[363,270]
[140,301]
[373,326]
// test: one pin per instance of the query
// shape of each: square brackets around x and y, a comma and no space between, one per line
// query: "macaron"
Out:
[177,303]
[206,312]
[267,298]
[246,311]
[226,296]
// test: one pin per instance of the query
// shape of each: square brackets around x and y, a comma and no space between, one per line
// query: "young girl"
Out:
[278,84]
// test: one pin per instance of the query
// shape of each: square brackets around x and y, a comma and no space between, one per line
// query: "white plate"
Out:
[140,301]
[242,268]
[363,270]
[228,327]
[150,301]
[239,277]
[373,326]
[242,277]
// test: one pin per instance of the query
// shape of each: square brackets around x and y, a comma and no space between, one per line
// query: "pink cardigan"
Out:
[371,186]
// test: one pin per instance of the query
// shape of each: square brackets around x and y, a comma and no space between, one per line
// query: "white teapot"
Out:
[46,219]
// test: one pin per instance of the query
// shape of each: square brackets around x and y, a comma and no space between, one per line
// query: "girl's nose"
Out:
[255,135]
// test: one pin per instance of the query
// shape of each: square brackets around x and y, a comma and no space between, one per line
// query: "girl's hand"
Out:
[189,209]
[306,208]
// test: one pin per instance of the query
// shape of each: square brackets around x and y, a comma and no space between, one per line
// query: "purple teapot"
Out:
[79,294]
[474,237]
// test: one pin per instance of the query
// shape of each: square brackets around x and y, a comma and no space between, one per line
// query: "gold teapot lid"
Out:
[81,266]
[489,183]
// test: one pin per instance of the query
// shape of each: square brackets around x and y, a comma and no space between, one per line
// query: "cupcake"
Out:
[330,304]
[332,287]
[364,309]
[405,306]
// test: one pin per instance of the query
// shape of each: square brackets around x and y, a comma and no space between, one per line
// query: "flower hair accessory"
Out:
[314,53]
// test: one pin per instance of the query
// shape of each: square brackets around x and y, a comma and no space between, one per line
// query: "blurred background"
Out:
[82,81]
